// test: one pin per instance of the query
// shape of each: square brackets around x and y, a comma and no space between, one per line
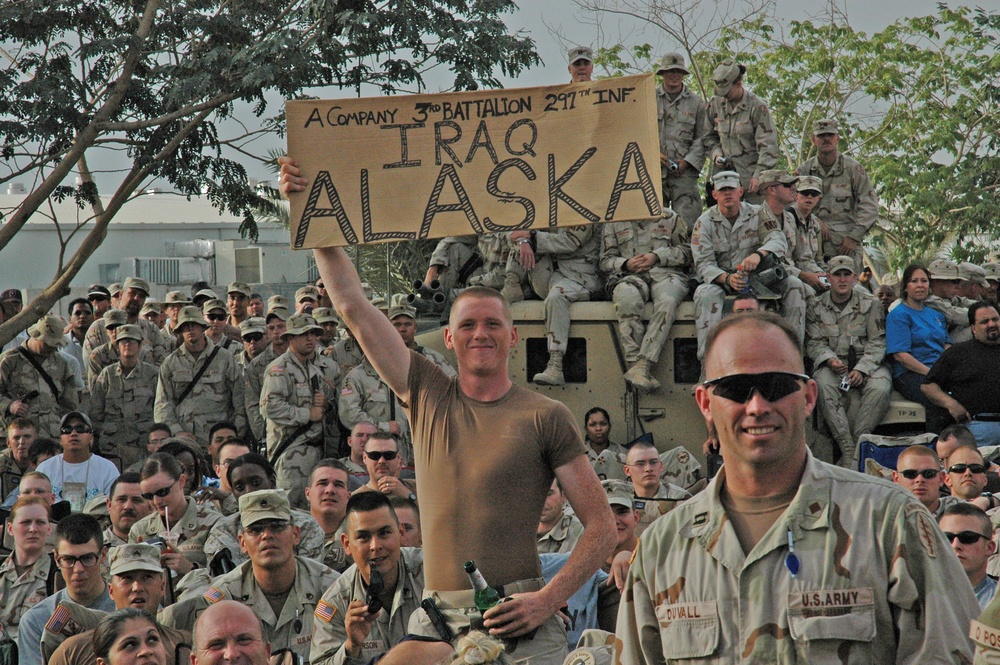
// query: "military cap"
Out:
[944,269]
[300,324]
[580,53]
[135,556]
[11,295]
[307,293]
[724,179]
[325,315]
[176,298]
[97,291]
[992,271]
[114,289]
[49,329]
[777,177]
[672,62]
[191,314]
[725,75]
[809,183]
[206,293]
[238,287]
[127,331]
[136,283]
[75,415]
[209,305]
[379,302]
[264,505]
[595,647]
[277,312]
[619,492]
[97,507]
[253,324]
[826,126]
[840,263]
[401,306]
[114,318]
[150,308]
[973,273]
[277,302]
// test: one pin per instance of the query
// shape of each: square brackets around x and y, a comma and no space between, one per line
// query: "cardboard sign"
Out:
[429,166]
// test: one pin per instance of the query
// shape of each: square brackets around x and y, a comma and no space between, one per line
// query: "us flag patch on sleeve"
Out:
[325,611]
[58,619]
[213,595]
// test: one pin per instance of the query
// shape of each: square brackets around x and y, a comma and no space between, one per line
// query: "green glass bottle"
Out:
[486,596]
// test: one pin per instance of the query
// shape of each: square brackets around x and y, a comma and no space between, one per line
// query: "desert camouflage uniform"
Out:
[746,135]
[154,340]
[253,381]
[562,538]
[18,378]
[849,206]
[609,464]
[985,634]
[666,283]
[311,580]
[831,333]
[111,539]
[285,401]
[348,355]
[718,246]
[366,398]
[217,396]
[20,594]
[876,582]
[389,627]
[451,254]
[8,465]
[956,315]
[334,554]
[195,525]
[107,355]
[667,498]
[495,250]
[357,474]
[121,408]
[804,242]
[680,468]
[225,536]
[683,124]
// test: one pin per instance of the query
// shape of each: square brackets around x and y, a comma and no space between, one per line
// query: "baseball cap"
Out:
[77,415]
[49,329]
[176,298]
[325,315]
[307,293]
[264,505]
[401,306]
[209,305]
[724,179]
[809,183]
[725,75]
[136,283]
[114,289]
[580,53]
[191,314]
[11,295]
[300,324]
[253,324]
[777,177]
[944,269]
[973,273]
[115,317]
[619,492]
[672,62]
[238,287]
[840,263]
[826,126]
[128,331]
[97,291]
[135,556]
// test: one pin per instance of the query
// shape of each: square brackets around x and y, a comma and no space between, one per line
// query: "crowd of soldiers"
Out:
[174,457]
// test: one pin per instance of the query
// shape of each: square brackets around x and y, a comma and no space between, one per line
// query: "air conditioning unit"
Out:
[166,270]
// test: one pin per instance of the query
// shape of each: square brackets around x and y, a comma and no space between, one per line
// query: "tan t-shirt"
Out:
[483,470]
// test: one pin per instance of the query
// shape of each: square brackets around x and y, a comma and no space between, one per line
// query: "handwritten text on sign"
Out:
[429,166]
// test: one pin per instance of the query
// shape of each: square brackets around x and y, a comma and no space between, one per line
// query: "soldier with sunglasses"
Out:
[384,463]
[919,471]
[784,558]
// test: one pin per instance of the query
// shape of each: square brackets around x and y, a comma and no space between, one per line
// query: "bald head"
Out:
[229,631]
[760,320]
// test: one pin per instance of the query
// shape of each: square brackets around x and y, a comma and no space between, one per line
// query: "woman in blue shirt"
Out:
[915,335]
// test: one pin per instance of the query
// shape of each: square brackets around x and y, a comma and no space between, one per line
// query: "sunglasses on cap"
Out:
[772,386]
[961,468]
[376,455]
[964,537]
[911,474]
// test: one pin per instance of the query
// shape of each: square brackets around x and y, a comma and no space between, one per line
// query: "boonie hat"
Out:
[725,76]
[777,177]
[992,271]
[809,183]
[826,126]
[944,269]
[135,556]
[724,179]
[580,53]
[973,273]
[840,263]
[49,329]
[672,62]
[264,505]
[176,298]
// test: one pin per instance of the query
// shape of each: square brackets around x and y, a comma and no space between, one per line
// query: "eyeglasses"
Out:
[643,464]
[79,429]
[376,455]
[911,474]
[964,537]
[162,492]
[216,317]
[962,468]
[772,386]
[88,560]
[275,527]
[253,337]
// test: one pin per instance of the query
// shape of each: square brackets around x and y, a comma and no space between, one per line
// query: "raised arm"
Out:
[381,343]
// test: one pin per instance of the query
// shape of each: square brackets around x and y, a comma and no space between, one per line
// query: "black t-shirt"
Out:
[969,372]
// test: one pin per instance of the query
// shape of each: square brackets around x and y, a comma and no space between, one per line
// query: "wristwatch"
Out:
[412,497]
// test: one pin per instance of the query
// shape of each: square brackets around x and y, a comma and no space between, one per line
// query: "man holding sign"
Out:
[486,452]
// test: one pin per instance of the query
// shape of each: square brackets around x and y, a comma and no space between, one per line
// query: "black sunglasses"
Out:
[253,337]
[162,492]
[772,386]
[911,474]
[216,317]
[964,537]
[376,455]
[961,468]
[79,429]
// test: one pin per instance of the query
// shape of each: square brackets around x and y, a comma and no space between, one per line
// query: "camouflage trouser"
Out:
[629,296]
[563,291]
[458,255]
[831,247]
[709,299]
[864,407]
[293,469]
[680,193]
